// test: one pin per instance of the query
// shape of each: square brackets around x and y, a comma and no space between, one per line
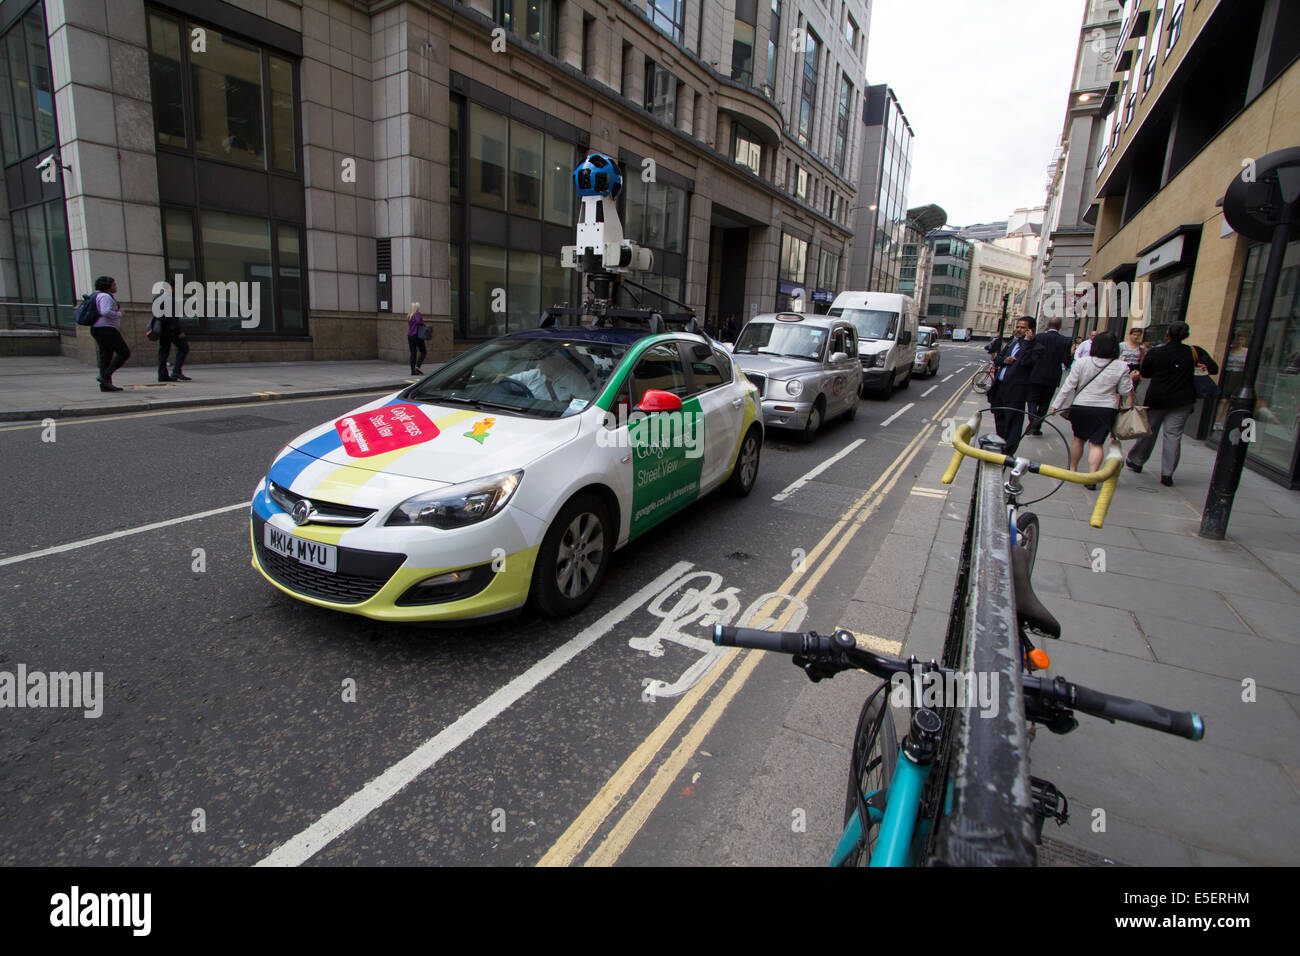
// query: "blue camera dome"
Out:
[598,175]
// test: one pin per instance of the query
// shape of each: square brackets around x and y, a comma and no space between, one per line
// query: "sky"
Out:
[984,86]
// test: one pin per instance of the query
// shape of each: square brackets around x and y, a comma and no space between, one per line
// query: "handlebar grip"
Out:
[1178,723]
[786,642]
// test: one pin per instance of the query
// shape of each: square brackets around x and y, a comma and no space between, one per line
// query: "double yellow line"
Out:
[592,819]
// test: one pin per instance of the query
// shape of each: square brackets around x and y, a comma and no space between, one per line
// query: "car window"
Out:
[707,367]
[660,367]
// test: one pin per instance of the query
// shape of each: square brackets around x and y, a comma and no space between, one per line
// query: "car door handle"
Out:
[737,402]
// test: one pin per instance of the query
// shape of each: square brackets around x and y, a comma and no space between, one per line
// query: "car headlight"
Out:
[794,388]
[467,503]
[871,361]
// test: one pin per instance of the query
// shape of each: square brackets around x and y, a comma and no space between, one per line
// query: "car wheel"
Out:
[745,473]
[814,421]
[936,370]
[573,557]
[907,380]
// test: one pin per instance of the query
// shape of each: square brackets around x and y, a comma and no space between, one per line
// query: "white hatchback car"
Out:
[511,472]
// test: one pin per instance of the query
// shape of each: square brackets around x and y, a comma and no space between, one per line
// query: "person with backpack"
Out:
[107,332]
[1092,392]
[1170,396]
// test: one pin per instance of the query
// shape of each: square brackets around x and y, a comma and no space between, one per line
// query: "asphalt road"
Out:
[226,736]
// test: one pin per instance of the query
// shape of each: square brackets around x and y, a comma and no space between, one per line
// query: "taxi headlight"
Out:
[467,503]
[794,388]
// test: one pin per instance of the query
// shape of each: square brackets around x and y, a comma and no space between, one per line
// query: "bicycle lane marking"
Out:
[894,417]
[572,842]
[623,832]
[810,475]
[338,821]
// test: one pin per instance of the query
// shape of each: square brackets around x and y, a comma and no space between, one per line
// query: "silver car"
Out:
[805,366]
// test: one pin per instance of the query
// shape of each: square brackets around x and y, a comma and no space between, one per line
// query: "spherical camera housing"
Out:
[598,175]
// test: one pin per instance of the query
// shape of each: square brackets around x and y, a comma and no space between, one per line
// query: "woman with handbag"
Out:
[1091,394]
[1174,370]
[416,333]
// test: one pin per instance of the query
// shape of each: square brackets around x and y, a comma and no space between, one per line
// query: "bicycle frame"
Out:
[898,822]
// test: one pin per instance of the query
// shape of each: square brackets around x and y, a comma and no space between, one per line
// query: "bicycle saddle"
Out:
[1030,611]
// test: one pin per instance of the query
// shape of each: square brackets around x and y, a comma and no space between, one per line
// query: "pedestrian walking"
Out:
[107,333]
[1010,388]
[1085,347]
[170,334]
[416,333]
[729,331]
[1053,361]
[1093,392]
[1169,399]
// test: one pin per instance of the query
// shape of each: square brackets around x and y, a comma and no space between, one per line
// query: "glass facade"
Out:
[808,87]
[233,105]
[773,48]
[893,175]
[40,289]
[522,175]
[950,278]
[1277,384]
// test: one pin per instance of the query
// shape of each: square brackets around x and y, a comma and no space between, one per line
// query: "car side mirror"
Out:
[839,357]
[905,337]
[657,400]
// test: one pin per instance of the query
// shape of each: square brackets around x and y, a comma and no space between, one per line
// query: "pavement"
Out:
[1152,611]
[57,386]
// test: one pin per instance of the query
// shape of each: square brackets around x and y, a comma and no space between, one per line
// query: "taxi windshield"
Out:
[778,338]
[540,377]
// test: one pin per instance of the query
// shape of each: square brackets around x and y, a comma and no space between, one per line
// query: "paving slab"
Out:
[1132,593]
[1222,653]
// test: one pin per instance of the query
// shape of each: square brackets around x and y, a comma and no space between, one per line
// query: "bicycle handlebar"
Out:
[1107,477]
[824,656]
[1100,704]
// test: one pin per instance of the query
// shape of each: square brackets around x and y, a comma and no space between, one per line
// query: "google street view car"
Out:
[513,472]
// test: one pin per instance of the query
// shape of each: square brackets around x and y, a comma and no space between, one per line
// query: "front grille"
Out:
[324,512]
[760,381]
[359,577]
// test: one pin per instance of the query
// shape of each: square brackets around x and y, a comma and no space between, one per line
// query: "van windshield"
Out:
[873,323]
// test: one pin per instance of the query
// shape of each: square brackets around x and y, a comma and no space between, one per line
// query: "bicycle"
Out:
[983,808]
[983,380]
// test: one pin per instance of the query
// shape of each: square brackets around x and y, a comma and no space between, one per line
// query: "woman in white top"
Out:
[1092,392]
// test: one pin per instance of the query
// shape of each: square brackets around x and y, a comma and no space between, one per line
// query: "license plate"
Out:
[311,553]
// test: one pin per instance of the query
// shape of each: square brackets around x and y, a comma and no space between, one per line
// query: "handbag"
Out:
[1132,423]
[424,333]
[153,331]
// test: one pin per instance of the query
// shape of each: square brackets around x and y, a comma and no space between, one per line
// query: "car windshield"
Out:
[779,338]
[872,323]
[542,377]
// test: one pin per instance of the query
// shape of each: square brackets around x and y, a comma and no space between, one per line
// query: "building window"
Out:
[660,92]
[842,123]
[851,33]
[801,184]
[668,15]
[747,149]
[808,88]
[774,31]
[828,271]
[656,215]
[742,43]
[1148,74]
[531,20]
[1129,106]
[1175,25]
[234,104]
[794,258]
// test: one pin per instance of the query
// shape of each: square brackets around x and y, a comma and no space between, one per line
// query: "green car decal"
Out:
[667,460]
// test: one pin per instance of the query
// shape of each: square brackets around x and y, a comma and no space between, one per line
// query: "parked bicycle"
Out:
[910,802]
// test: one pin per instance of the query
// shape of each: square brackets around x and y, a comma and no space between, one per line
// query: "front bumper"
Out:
[377,567]
[785,413]
[874,379]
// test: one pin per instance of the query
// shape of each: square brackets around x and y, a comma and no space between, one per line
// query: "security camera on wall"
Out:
[45,163]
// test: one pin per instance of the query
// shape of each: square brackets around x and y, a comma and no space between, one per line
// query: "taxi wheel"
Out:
[745,472]
[814,421]
[573,557]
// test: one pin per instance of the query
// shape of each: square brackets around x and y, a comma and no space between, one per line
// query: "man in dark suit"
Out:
[1013,367]
[1045,379]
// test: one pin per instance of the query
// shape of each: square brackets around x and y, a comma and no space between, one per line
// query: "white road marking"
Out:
[929,390]
[800,482]
[87,542]
[950,376]
[302,847]
[894,416]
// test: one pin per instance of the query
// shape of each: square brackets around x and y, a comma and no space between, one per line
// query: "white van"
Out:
[886,324]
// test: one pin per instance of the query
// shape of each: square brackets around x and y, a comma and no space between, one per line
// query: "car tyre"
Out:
[573,558]
[745,472]
[815,418]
